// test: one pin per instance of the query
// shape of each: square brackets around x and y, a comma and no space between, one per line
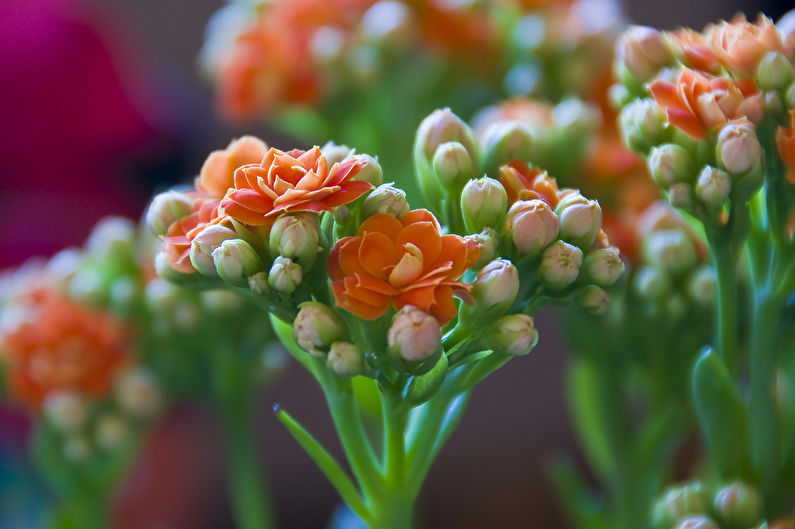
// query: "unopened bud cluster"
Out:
[696,506]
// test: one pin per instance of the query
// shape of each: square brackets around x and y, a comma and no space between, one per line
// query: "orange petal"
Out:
[382,223]
[425,236]
[377,252]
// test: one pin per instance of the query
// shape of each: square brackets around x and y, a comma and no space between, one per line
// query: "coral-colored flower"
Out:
[218,171]
[59,345]
[785,141]
[696,49]
[523,182]
[176,243]
[739,44]
[699,103]
[291,181]
[396,262]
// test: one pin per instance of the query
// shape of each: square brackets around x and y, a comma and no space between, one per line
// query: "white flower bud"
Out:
[670,250]
[66,410]
[643,51]
[603,266]
[138,394]
[642,125]
[296,237]
[388,22]
[713,186]
[386,199]
[452,164]
[235,261]
[166,209]
[580,220]
[258,283]
[201,249]
[484,204]
[488,241]
[738,505]
[703,286]
[505,141]
[414,335]
[112,236]
[497,285]
[371,171]
[670,163]
[651,284]
[774,72]
[560,264]
[532,225]
[327,45]
[335,153]
[316,327]
[738,149]
[345,359]
[696,522]
[594,299]
[285,275]
[681,195]
[514,334]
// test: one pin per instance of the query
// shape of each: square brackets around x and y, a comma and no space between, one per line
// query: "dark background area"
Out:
[492,471]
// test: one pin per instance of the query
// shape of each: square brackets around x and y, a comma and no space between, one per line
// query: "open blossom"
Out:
[740,44]
[394,263]
[523,182]
[292,181]
[180,235]
[218,171]
[696,49]
[61,346]
[698,103]
[785,141]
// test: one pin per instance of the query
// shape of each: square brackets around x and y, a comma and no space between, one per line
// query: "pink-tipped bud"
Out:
[643,51]
[335,153]
[738,149]
[452,164]
[296,237]
[652,284]
[532,225]
[702,287]
[678,502]
[414,335]
[738,505]
[680,195]
[285,275]
[371,169]
[713,186]
[514,334]
[774,72]
[138,393]
[487,241]
[496,286]
[580,220]
[603,266]
[594,299]
[166,209]
[670,250]
[670,163]
[560,265]
[440,127]
[345,359]
[386,199]
[484,204]
[235,261]
[317,326]
[202,246]
[66,410]
[642,125]
[505,141]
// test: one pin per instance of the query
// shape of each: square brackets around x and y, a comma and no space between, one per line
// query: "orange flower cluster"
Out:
[522,182]
[397,262]
[699,103]
[785,141]
[59,345]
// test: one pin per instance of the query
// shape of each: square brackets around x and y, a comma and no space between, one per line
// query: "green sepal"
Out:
[422,387]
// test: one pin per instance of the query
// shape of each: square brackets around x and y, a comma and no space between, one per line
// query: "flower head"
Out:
[291,181]
[396,262]
[740,44]
[698,103]
[180,235]
[217,173]
[697,51]
[523,182]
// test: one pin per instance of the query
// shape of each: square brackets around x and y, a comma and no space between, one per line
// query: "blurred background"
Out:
[101,105]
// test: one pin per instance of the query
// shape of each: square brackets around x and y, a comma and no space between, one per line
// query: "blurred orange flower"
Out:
[291,181]
[698,103]
[218,171]
[523,182]
[397,262]
[696,49]
[739,44]
[176,243]
[785,141]
[59,345]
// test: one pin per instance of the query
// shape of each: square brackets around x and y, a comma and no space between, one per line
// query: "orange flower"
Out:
[696,49]
[523,182]
[176,244]
[218,171]
[291,181]
[740,45]
[785,141]
[393,262]
[60,345]
[698,103]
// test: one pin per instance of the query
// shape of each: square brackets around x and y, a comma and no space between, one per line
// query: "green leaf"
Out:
[722,416]
[587,414]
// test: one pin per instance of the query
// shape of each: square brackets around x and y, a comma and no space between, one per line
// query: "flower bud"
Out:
[389,23]
[221,301]
[594,299]
[603,266]
[496,286]
[642,125]
[580,220]
[532,225]
[452,164]
[676,306]
[76,449]
[774,72]
[327,45]
[505,141]
[66,410]
[643,51]
[577,118]
[87,286]
[514,334]
[487,241]
[651,284]
[296,237]
[138,394]
[669,164]
[166,209]
[738,148]
[203,244]
[484,203]
[414,335]
[677,502]
[681,196]
[335,153]
[345,359]
[713,186]
[285,275]
[696,522]
[112,236]
[738,505]
[64,265]
[560,264]
[703,285]
[317,326]
[235,261]
[670,250]
[258,283]
[111,432]
[371,171]
[789,97]
[386,199]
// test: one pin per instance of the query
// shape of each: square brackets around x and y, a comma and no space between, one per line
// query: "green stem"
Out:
[82,511]
[726,328]
[394,440]
[764,429]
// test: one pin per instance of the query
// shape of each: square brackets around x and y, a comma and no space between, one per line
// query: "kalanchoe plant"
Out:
[712,113]
[427,303]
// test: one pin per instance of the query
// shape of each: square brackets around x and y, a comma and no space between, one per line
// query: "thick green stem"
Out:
[394,441]
[393,511]
[83,511]
[764,431]
[726,324]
